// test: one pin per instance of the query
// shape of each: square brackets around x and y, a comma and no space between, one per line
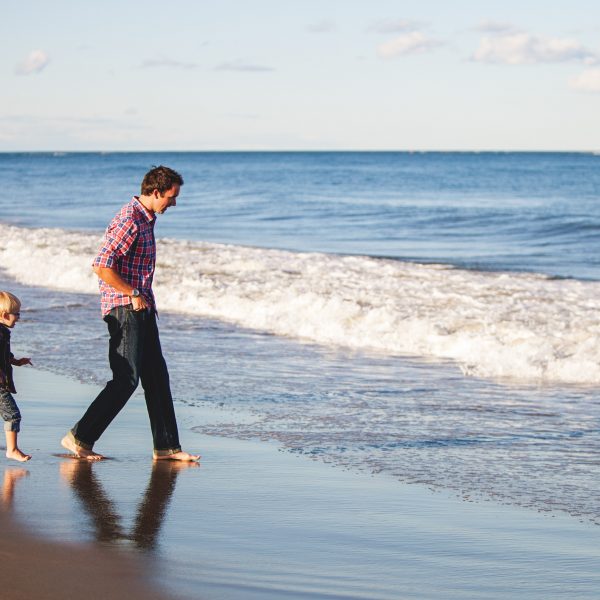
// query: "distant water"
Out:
[429,315]
[489,211]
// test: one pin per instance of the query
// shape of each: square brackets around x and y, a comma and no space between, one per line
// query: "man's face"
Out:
[169,198]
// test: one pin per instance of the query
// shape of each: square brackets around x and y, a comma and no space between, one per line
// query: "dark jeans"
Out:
[134,354]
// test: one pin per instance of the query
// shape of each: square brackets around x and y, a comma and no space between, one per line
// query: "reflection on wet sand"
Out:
[102,511]
[37,568]
[11,476]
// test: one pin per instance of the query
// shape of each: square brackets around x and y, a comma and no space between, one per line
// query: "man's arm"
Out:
[112,277]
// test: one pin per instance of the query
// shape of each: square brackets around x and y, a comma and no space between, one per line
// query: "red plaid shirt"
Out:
[130,248]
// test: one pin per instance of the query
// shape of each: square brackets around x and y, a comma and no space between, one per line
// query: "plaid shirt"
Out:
[129,248]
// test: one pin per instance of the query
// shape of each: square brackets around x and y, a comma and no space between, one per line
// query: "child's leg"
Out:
[12,424]
[12,450]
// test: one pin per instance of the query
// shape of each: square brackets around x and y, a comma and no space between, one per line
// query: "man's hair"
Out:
[161,179]
[9,303]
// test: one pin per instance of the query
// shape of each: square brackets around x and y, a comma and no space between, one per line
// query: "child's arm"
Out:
[19,362]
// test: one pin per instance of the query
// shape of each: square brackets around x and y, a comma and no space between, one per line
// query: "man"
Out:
[125,267]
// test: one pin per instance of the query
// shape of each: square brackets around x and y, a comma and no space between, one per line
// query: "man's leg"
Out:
[126,330]
[157,389]
[159,401]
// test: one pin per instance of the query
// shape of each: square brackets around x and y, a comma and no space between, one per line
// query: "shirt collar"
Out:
[135,202]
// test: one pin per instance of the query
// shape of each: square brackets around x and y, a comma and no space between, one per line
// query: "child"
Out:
[9,411]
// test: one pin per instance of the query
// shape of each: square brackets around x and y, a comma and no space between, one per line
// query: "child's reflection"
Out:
[107,521]
[11,476]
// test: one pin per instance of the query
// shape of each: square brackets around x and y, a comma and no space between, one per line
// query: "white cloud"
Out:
[524,48]
[588,81]
[411,43]
[394,26]
[495,27]
[239,65]
[36,62]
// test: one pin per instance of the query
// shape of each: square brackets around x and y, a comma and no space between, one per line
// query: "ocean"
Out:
[430,317]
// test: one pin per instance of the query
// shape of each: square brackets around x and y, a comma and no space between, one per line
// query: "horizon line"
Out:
[314,151]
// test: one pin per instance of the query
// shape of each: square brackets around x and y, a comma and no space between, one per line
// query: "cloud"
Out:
[588,81]
[36,62]
[393,26]
[524,48]
[324,26]
[167,62]
[495,27]
[411,43]
[239,65]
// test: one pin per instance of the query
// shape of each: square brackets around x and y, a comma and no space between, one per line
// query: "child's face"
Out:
[9,319]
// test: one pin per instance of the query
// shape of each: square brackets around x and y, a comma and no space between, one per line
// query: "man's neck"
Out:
[146,202]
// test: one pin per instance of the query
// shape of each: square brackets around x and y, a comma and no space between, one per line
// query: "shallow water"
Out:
[478,374]
[415,421]
[253,523]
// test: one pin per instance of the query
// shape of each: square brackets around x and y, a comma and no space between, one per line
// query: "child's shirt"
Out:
[6,371]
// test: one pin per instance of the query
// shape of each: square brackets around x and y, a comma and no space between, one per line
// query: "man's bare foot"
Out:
[183,456]
[68,443]
[16,454]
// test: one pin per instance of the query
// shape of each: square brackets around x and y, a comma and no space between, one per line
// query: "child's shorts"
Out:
[9,411]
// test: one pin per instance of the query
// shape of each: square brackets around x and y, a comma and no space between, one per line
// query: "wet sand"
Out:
[251,522]
[32,568]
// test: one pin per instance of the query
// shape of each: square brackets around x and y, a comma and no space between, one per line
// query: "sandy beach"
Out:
[253,522]
[35,568]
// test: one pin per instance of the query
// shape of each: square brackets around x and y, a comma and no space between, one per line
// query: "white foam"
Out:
[520,326]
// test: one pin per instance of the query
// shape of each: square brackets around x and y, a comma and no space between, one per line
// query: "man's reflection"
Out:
[106,520]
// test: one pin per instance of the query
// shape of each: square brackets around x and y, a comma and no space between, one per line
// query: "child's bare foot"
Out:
[68,443]
[16,454]
[183,456]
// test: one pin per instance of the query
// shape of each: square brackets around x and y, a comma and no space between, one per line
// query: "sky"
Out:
[142,75]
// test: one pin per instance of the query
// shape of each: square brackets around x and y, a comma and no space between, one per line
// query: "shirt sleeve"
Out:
[118,239]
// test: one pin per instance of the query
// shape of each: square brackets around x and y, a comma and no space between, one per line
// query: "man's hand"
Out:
[112,277]
[139,303]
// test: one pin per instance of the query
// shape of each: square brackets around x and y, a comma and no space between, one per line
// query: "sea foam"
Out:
[519,326]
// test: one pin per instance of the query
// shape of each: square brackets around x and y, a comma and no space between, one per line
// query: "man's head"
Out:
[160,187]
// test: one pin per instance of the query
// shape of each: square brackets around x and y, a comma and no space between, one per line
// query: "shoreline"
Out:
[253,522]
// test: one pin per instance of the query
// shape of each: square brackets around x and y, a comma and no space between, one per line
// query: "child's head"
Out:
[10,306]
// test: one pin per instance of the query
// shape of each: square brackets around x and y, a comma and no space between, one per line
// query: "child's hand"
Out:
[19,362]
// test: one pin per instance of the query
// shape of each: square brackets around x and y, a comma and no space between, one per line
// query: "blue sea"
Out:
[432,317]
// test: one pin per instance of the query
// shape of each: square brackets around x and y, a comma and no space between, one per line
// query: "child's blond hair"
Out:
[9,303]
